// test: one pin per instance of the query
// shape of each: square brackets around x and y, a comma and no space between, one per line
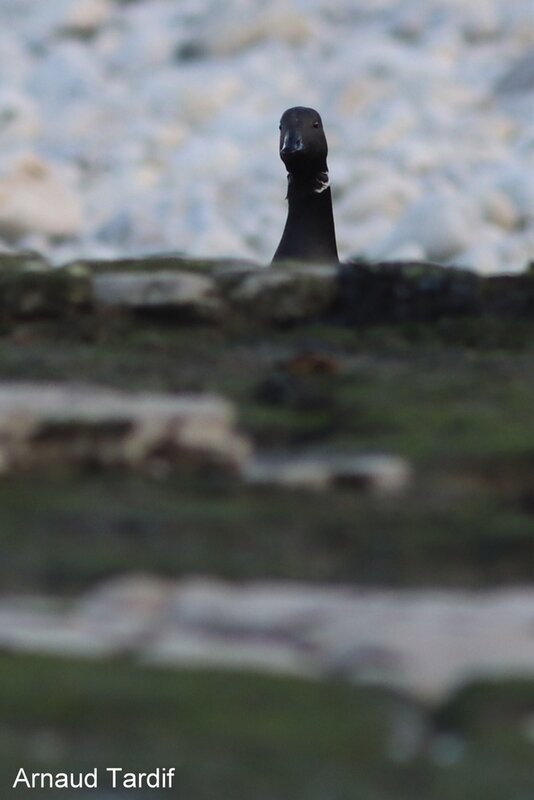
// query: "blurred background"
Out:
[134,126]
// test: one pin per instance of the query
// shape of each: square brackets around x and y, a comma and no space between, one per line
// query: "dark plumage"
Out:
[309,234]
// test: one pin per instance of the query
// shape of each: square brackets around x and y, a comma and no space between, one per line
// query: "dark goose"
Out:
[309,234]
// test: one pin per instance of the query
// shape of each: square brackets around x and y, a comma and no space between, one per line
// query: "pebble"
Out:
[499,209]
[440,223]
[483,22]
[86,17]
[35,198]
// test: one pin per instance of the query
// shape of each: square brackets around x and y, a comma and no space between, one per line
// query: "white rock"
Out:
[519,77]
[153,134]
[186,291]
[443,224]
[384,194]
[407,251]
[374,472]
[518,186]
[274,609]
[15,60]
[67,79]
[125,610]
[278,20]
[498,208]
[47,424]
[422,642]
[377,472]
[483,255]
[482,21]
[291,473]
[407,24]
[34,198]
[482,258]
[85,17]
[516,252]
[364,235]
[195,649]
[43,631]
[20,122]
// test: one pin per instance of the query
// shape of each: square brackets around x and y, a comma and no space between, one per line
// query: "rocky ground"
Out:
[212,471]
[132,126]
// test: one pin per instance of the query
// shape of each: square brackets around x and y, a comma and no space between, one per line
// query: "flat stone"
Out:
[126,610]
[422,643]
[287,294]
[197,649]
[43,631]
[375,472]
[260,610]
[43,425]
[429,642]
[290,473]
[190,294]
[230,276]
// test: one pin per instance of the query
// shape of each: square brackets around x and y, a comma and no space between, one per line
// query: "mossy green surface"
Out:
[62,534]
[242,735]
[461,412]
[455,397]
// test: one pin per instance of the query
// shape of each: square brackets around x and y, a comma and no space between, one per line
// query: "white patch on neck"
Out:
[323,182]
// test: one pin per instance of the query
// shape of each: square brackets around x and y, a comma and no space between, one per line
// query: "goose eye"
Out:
[316,124]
